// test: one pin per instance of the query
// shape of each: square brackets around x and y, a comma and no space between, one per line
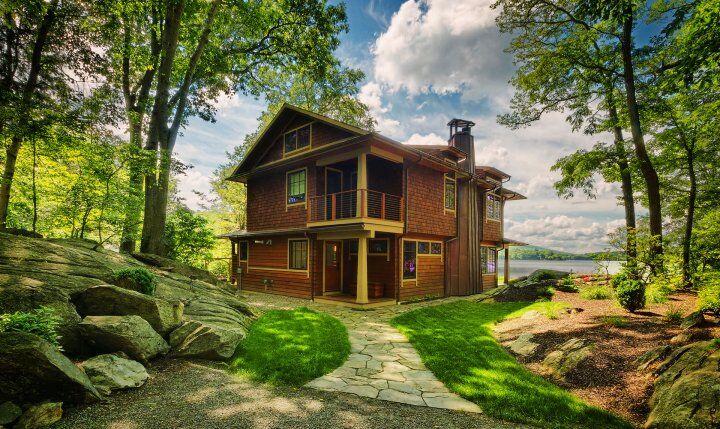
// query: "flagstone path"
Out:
[382,364]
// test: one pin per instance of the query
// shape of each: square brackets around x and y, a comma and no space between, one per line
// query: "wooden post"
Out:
[361,183]
[507,265]
[362,281]
[333,206]
[382,205]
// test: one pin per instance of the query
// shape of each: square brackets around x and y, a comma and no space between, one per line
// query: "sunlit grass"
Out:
[455,341]
[291,347]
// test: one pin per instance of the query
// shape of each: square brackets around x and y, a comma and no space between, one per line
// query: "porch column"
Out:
[362,282]
[361,184]
[507,265]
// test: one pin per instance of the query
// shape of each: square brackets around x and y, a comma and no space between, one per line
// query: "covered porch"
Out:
[507,243]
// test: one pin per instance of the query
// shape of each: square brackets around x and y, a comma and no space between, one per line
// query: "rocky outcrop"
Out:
[523,345]
[33,370]
[205,341]
[693,320]
[108,300]
[111,372]
[36,272]
[9,412]
[129,334]
[571,353]
[167,264]
[651,357]
[40,416]
[687,389]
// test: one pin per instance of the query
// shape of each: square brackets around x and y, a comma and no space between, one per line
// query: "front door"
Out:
[332,266]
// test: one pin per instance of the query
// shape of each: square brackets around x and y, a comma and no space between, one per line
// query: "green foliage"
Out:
[540,275]
[456,342]
[618,278]
[189,238]
[616,321]
[658,291]
[596,292]
[291,347]
[567,284]
[546,292]
[709,294]
[41,321]
[142,279]
[674,315]
[631,295]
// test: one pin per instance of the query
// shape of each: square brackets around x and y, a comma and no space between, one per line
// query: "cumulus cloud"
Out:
[573,234]
[425,139]
[443,46]
[371,94]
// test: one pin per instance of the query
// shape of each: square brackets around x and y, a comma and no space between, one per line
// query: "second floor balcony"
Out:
[355,205]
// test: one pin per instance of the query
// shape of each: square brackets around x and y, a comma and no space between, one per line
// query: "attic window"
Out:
[297,139]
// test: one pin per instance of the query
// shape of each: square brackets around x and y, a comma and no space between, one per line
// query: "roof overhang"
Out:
[511,195]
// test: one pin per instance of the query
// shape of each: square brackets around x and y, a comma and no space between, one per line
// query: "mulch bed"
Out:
[608,378]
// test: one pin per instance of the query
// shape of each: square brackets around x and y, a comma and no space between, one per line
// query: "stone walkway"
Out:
[382,364]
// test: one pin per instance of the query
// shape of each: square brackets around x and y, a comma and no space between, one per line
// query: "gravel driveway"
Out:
[185,394]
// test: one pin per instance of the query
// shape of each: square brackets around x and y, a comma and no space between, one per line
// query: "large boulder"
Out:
[34,370]
[111,372]
[35,272]
[566,358]
[108,300]
[523,345]
[687,389]
[9,412]
[40,416]
[129,334]
[196,339]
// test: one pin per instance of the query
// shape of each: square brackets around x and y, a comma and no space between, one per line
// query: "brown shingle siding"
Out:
[426,204]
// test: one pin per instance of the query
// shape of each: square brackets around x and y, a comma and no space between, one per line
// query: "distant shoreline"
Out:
[537,253]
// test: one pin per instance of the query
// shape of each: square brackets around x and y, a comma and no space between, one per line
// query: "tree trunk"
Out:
[626,178]
[646,167]
[30,85]
[692,196]
[135,189]
[153,240]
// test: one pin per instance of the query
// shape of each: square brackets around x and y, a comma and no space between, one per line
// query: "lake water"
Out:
[520,268]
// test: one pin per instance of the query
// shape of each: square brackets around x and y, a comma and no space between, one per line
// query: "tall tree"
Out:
[43,43]
[209,48]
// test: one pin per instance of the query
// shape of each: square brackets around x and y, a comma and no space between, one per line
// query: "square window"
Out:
[297,139]
[297,254]
[296,182]
[436,248]
[423,247]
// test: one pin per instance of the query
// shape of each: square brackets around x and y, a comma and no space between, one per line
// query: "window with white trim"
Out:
[296,186]
[297,139]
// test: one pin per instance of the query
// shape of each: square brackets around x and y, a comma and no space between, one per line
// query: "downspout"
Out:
[311,267]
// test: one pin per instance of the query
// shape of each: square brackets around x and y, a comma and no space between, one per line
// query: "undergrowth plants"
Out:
[41,321]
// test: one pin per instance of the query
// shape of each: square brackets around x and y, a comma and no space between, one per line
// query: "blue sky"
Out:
[425,63]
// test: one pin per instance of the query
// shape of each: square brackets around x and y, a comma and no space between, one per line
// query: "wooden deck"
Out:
[346,300]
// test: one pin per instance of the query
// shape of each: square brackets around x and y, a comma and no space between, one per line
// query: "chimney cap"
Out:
[461,123]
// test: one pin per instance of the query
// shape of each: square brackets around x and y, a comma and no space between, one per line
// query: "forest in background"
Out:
[93,96]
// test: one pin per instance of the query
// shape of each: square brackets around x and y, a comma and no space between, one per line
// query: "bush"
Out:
[545,292]
[631,295]
[567,284]
[540,275]
[709,295]
[596,292]
[674,315]
[141,279]
[618,278]
[41,322]
[616,321]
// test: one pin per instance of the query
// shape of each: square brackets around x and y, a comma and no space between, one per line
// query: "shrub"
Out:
[141,279]
[616,321]
[618,278]
[567,284]
[545,292]
[631,295]
[42,322]
[596,292]
[709,295]
[540,275]
[674,315]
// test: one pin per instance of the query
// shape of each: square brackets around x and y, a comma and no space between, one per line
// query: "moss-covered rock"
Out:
[566,358]
[128,334]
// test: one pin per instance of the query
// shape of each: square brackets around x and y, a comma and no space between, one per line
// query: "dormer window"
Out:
[297,139]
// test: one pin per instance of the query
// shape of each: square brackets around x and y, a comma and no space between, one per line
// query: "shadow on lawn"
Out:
[456,342]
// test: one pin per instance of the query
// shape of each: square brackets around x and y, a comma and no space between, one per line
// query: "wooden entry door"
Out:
[333,259]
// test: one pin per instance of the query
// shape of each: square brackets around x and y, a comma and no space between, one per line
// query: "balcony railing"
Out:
[344,205]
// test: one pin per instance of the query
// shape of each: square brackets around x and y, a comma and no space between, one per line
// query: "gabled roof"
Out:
[266,136]
[434,149]
[484,169]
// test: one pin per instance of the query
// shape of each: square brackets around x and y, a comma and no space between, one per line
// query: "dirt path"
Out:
[183,394]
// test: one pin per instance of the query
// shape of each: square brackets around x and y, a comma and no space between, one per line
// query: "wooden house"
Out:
[336,213]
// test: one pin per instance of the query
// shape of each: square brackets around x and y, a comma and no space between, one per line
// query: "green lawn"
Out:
[291,347]
[455,341]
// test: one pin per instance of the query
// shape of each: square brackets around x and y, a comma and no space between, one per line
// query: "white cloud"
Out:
[426,139]
[371,94]
[573,234]
[443,46]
